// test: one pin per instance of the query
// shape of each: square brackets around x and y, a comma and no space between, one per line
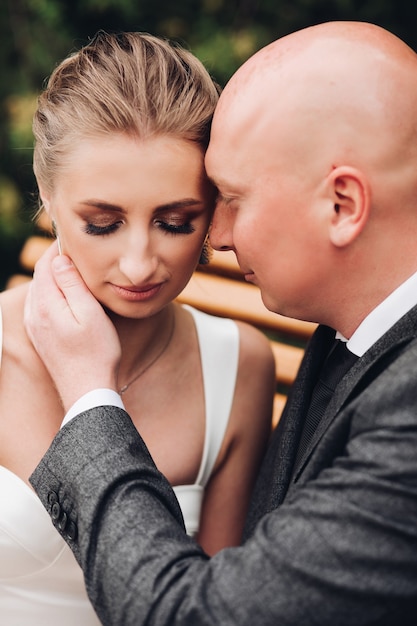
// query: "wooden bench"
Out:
[219,288]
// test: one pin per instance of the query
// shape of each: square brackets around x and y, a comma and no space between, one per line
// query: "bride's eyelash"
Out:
[94,229]
[175,229]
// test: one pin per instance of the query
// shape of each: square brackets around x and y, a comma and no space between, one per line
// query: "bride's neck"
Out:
[140,339]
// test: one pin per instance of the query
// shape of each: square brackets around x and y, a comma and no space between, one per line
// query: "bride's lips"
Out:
[137,294]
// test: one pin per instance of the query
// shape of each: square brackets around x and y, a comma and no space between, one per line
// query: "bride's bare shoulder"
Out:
[14,299]
[12,304]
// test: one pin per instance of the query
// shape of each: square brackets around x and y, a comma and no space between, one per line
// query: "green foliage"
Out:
[36,34]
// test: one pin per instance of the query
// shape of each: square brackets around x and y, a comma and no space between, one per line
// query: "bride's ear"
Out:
[45,201]
[351,194]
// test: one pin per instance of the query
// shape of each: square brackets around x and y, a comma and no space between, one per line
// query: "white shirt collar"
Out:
[383,317]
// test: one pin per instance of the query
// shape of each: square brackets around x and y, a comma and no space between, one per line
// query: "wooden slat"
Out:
[32,250]
[16,280]
[279,403]
[230,298]
[287,359]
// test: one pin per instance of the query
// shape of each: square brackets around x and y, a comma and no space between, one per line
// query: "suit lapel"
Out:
[277,471]
[360,375]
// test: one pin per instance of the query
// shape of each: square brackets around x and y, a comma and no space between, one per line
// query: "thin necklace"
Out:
[123,389]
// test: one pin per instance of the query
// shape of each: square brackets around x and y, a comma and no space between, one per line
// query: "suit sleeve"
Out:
[341,549]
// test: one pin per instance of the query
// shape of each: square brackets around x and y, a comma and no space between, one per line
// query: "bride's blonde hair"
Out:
[131,83]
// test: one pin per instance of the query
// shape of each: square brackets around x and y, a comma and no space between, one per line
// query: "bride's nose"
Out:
[139,261]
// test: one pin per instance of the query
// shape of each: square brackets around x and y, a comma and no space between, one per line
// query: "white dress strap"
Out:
[219,350]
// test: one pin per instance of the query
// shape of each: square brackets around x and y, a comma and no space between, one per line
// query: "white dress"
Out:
[40,580]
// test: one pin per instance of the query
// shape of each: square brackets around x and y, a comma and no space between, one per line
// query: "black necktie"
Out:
[337,363]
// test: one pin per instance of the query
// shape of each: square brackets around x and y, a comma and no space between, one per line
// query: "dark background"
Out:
[36,34]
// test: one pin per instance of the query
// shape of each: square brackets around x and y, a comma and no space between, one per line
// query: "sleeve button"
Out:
[71,531]
[55,511]
[52,497]
[63,521]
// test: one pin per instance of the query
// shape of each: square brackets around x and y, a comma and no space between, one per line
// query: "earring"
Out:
[206,253]
[55,233]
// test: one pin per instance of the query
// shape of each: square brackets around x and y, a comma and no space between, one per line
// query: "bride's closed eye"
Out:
[174,228]
[107,229]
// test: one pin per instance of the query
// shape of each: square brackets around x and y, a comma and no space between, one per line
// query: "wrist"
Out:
[70,394]
[93,399]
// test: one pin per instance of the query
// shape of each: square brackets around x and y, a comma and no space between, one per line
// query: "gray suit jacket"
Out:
[330,543]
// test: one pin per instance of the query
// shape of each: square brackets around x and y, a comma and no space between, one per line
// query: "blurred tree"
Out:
[36,34]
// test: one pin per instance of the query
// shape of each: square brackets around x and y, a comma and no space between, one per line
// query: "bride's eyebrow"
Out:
[105,206]
[180,204]
[184,203]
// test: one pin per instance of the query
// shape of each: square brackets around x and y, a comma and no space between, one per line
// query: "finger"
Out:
[47,256]
[78,297]
[43,280]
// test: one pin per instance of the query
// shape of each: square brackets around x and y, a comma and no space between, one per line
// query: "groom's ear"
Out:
[351,204]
